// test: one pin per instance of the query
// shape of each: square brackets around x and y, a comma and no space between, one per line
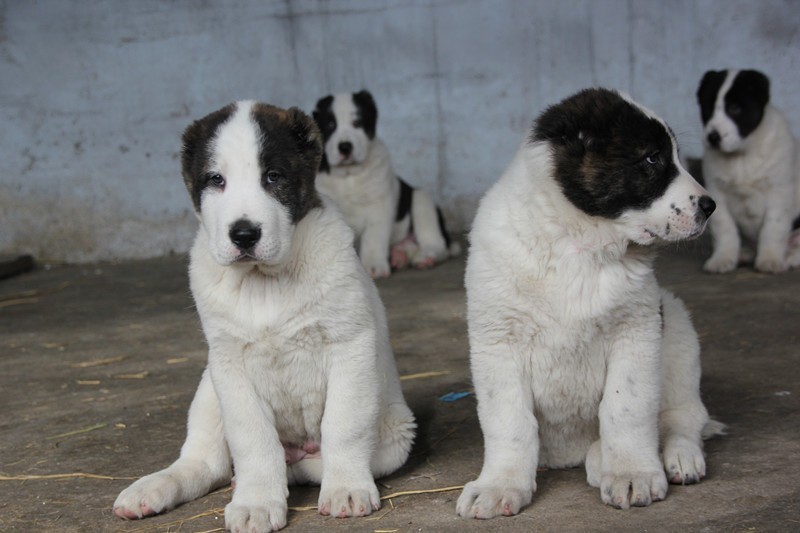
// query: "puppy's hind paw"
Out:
[148,496]
[684,462]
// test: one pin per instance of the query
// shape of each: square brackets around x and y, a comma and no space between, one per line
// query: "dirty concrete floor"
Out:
[98,365]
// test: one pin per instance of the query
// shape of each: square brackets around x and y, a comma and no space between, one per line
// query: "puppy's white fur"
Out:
[755,181]
[298,354]
[367,190]
[569,359]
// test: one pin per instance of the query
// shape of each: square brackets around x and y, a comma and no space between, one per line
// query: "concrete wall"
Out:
[95,93]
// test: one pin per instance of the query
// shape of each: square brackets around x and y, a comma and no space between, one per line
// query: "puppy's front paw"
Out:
[263,518]
[770,263]
[637,489]
[720,263]
[684,462]
[150,495]
[378,269]
[355,499]
[480,500]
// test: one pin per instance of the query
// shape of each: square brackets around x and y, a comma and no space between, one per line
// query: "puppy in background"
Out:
[751,169]
[394,223]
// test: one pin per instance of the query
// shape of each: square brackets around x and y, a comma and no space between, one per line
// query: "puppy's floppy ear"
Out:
[368,111]
[306,133]
[709,84]
[757,84]
[560,125]
[323,104]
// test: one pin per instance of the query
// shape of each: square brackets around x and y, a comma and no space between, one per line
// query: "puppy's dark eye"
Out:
[358,123]
[734,109]
[653,159]
[330,126]
[273,177]
[215,179]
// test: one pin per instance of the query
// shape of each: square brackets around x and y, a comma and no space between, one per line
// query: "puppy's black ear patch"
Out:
[326,122]
[324,103]
[707,92]
[195,152]
[367,111]
[756,84]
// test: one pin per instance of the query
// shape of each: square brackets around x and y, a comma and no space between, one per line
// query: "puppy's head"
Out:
[616,160]
[250,168]
[732,104]
[347,122]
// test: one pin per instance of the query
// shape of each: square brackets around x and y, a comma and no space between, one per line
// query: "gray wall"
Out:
[94,94]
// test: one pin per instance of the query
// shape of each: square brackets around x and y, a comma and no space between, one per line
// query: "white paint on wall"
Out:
[95,93]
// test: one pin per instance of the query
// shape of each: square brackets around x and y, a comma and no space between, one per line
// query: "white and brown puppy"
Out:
[751,168]
[577,354]
[301,384]
[395,224]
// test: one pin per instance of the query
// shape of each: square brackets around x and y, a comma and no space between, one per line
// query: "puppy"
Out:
[301,385]
[751,168]
[395,224]
[577,354]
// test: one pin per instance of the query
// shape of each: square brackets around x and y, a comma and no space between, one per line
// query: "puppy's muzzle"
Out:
[244,234]
[714,138]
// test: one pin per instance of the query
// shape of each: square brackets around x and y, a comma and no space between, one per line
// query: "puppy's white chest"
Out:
[290,379]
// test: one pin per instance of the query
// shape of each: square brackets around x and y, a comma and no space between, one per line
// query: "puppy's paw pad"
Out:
[484,501]
[270,516]
[637,489]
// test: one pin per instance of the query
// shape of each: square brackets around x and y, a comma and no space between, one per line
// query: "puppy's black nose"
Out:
[244,234]
[707,205]
[714,139]
[346,148]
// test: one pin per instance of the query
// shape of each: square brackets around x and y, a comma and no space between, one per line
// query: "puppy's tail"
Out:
[713,428]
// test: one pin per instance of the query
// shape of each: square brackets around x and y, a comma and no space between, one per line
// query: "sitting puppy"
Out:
[750,167]
[301,384]
[577,354]
[391,219]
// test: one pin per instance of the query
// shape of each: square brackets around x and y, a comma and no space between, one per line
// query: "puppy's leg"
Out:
[374,246]
[349,430]
[725,236]
[683,416]
[395,437]
[259,501]
[773,238]
[510,433]
[204,463]
[630,470]
[432,242]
